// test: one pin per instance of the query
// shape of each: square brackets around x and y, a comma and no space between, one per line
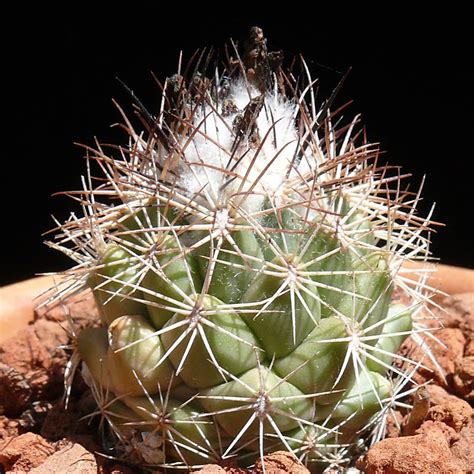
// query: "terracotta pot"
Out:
[17,301]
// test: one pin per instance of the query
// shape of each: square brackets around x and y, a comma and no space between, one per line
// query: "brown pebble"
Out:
[73,459]
[455,413]
[8,428]
[228,466]
[449,433]
[464,378]
[439,395]
[469,348]
[459,312]
[280,462]
[447,354]
[463,450]
[211,468]
[425,453]
[24,452]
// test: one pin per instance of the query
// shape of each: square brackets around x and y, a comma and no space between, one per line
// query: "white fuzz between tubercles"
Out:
[150,447]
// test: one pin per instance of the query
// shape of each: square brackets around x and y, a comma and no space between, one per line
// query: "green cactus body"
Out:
[229,282]
[244,272]
[263,396]
[314,365]
[122,356]
[171,277]
[114,285]
[395,329]
[282,323]
[229,344]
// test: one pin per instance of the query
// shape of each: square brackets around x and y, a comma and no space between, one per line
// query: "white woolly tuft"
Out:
[209,155]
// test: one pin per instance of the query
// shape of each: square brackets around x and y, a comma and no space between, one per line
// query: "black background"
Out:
[412,79]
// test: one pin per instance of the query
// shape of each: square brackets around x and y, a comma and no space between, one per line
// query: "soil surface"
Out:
[39,434]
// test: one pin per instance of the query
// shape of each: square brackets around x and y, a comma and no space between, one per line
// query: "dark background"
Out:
[412,79]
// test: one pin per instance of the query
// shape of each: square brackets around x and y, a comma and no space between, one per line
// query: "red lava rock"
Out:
[280,462]
[457,335]
[226,467]
[88,441]
[462,449]
[51,334]
[24,452]
[8,428]
[455,413]
[32,364]
[429,426]
[30,370]
[424,453]
[438,395]
[443,443]
[460,313]
[469,348]
[464,378]
[25,352]
[216,469]
[211,468]
[447,355]
[73,459]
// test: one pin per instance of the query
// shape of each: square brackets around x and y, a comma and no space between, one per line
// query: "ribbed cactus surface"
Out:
[244,251]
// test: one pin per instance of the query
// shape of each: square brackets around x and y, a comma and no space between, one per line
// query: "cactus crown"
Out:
[244,251]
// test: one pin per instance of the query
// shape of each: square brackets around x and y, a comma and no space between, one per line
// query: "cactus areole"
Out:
[245,251]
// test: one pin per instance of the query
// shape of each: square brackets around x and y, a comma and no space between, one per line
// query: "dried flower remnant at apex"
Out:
[243,251]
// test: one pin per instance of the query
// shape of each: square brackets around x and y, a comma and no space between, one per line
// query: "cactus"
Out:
[245,252]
